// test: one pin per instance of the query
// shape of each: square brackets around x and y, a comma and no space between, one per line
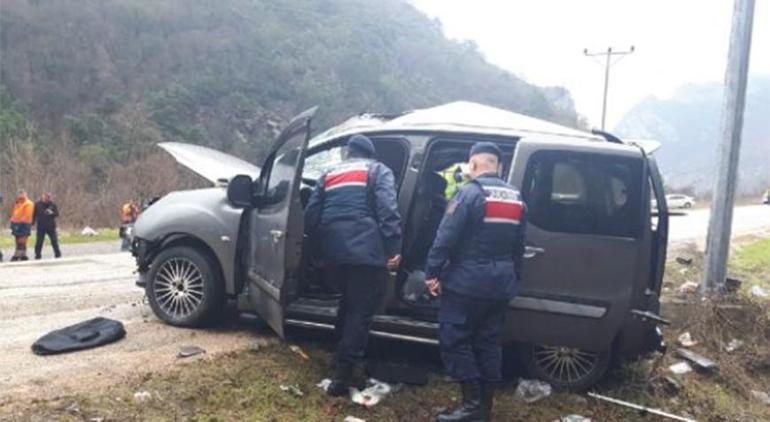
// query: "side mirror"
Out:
[239,191]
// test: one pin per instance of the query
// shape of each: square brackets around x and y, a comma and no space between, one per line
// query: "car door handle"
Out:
[277,235]
[531,251]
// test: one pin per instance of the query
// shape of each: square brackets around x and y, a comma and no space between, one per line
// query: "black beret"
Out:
[486,148]
[362,143]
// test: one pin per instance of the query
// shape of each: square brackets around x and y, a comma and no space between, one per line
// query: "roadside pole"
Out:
[728,152]
[607,64]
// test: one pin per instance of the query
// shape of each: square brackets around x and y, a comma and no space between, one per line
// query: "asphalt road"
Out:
[40,296]
[691,226]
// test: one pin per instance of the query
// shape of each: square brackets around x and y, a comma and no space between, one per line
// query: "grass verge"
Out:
[65,237]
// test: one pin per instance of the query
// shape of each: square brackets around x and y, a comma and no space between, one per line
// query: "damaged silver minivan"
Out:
[595,249]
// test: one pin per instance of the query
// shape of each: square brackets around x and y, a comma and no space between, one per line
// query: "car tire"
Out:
[687,205]
[566,369]
[183,287]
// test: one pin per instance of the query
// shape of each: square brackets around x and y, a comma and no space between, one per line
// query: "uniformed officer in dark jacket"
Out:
[474,264]
[354,216]
[46,213]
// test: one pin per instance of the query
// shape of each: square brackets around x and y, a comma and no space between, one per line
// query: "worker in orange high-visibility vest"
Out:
[21,224]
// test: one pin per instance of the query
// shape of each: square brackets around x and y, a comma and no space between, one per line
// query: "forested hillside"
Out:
[687,125]
[88,86]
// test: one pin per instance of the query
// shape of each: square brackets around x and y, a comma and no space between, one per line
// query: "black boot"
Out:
[487,398]
[340,385]
[471,409]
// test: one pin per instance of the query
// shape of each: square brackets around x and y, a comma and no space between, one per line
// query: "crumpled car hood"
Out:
[209,163]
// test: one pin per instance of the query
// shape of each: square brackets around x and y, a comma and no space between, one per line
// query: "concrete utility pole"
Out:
[733,103]
[608,63]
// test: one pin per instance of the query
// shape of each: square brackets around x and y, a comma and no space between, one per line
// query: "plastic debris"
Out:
[255,346]
[187,351]
[293,389]
[372,394]
[687,287]
[324,384]
[73,408]
[89,232]
[758,291]
[142,396]
[680,368]
[685,339]
[761,396]
[299,351]
[700,361]
[733,345]
[533,390]
[353,419]
[573,418]
[684,261]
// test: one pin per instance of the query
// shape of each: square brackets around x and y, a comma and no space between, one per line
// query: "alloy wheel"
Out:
[179,287]
[565,364]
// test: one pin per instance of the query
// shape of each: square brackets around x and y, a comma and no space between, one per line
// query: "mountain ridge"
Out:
[687,124]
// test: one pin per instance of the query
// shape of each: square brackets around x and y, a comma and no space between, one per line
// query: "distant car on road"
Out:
[680,201]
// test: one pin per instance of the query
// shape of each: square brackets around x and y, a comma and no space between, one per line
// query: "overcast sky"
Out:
[677,42]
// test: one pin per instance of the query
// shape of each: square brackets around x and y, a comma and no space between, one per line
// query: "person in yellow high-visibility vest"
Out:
[456,175]
[21,224]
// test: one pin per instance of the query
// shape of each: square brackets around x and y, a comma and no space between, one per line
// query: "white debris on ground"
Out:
[573,418]
[758,291]
[142,396]
[374,393]
[324,384]
[89,232]
[685,339]
[533,390]
[353,419]
[733,345]
[761,396]
[687,287]
[680,368]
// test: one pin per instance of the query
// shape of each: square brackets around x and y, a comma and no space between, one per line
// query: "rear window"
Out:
[584,193]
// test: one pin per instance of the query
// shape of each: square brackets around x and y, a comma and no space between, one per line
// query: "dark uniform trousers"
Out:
[362,288]
[42,232]
[470,331]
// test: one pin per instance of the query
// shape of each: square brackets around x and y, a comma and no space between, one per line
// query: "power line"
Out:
[609,53]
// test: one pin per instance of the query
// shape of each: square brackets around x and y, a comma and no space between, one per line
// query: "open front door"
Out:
[276,224]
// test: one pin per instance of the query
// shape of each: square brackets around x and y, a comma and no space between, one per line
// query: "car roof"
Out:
[455,117]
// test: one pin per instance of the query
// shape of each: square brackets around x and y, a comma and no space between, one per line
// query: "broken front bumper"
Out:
[140,249]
